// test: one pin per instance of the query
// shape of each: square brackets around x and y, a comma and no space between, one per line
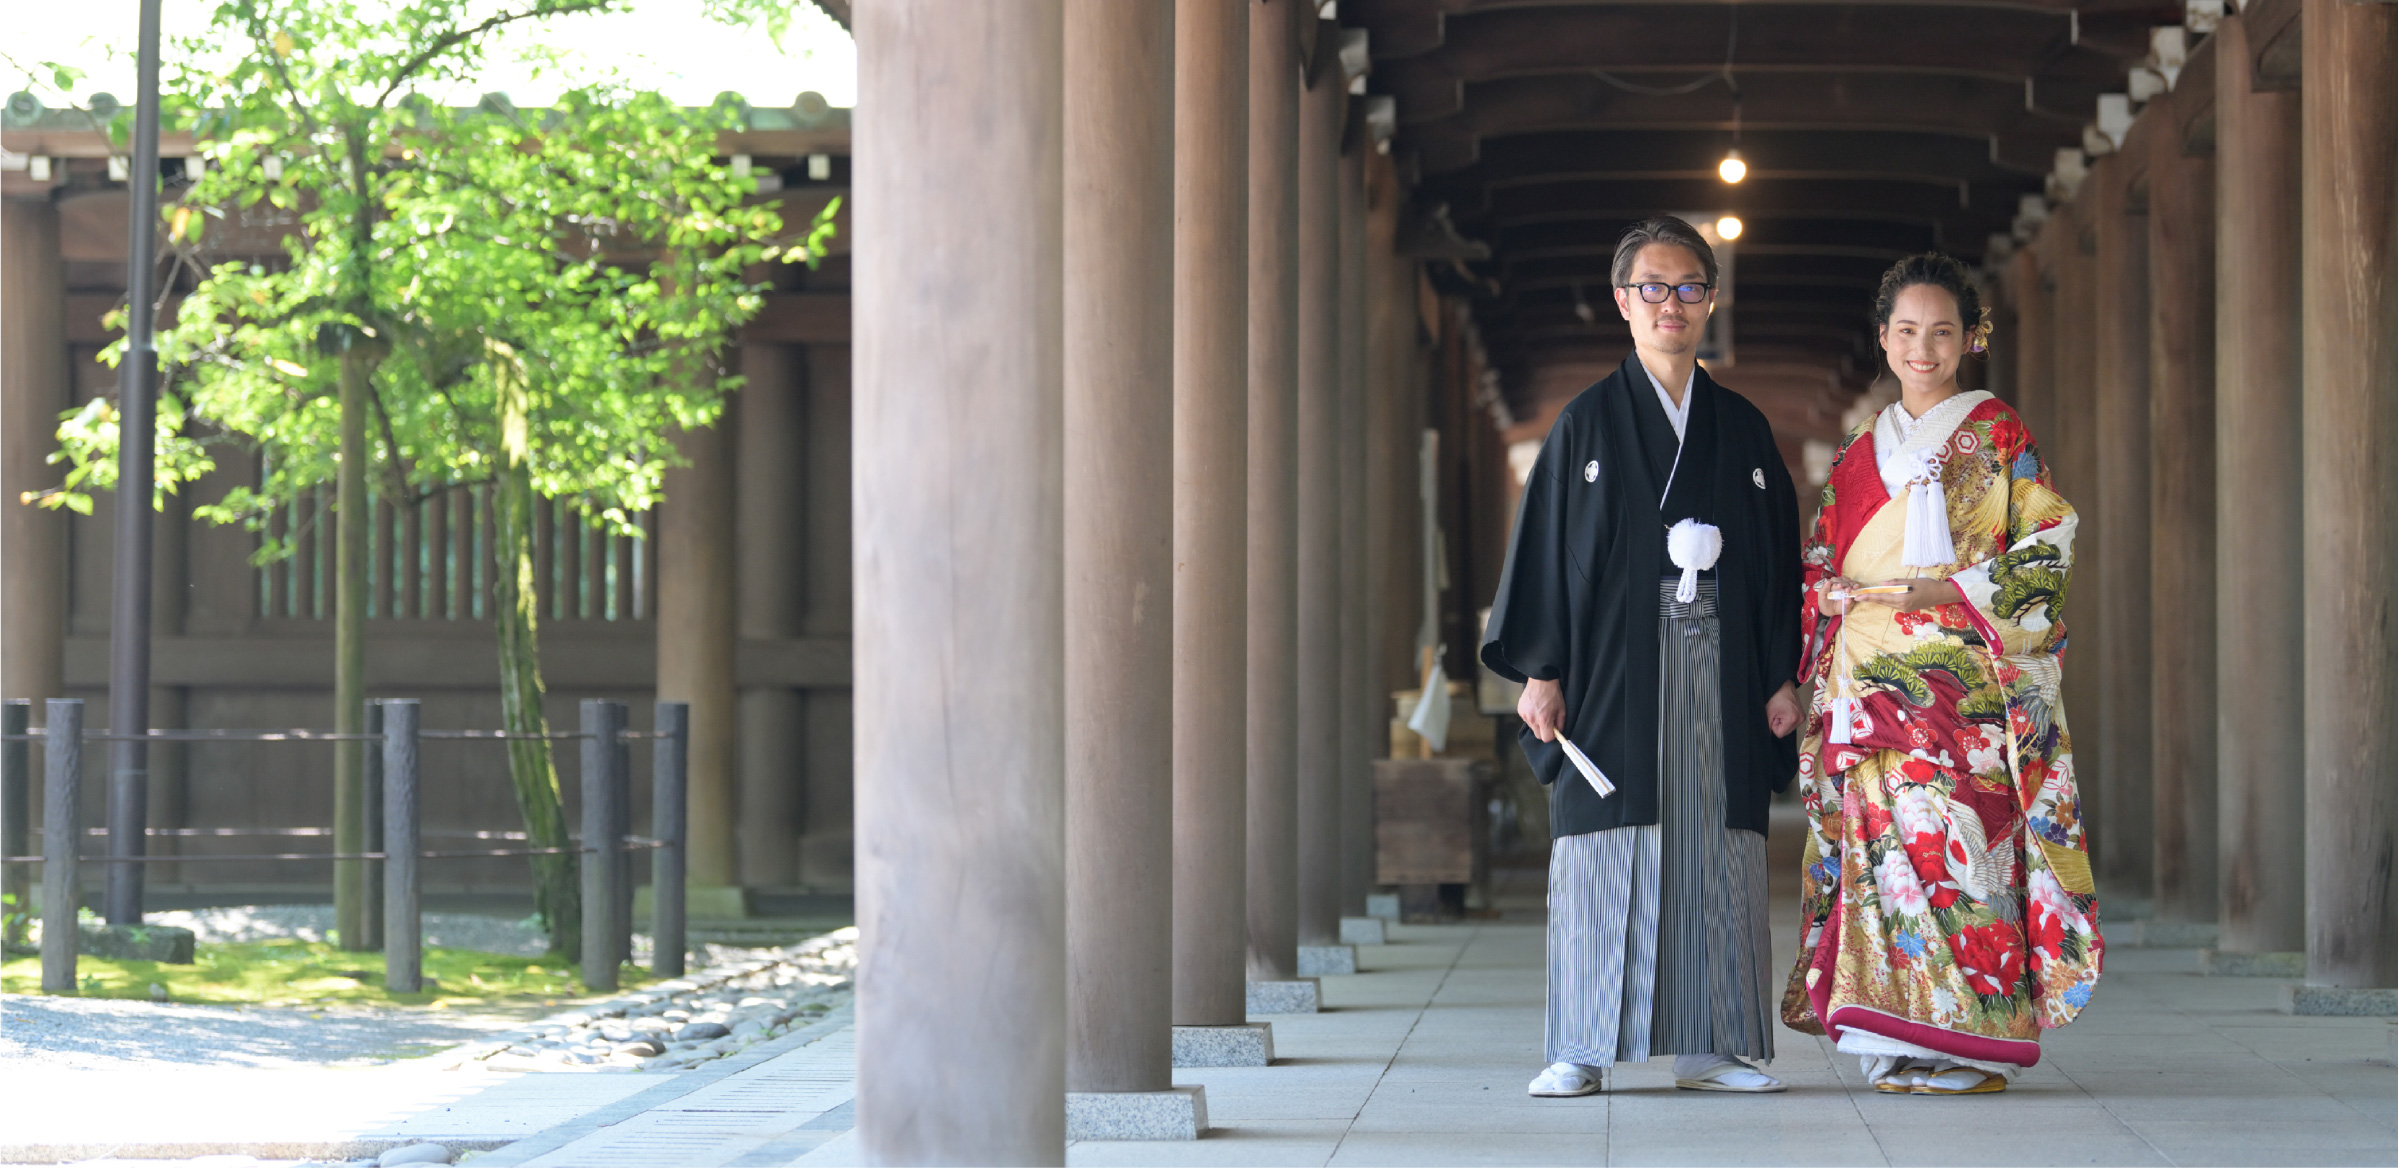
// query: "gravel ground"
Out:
[109,1034]
[706,1016]
[802,983]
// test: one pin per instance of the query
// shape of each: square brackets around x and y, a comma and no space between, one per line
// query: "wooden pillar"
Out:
[2033,348]
[959,569]
[2181,559]
[2121,388]
[696,599]
[1273,741]
[1119,376]
[1319,640]
[770,509]
[2068,253]
[2035,387]
[1355,717]
[2349,251]
[2260,613]
[33,392]
[1211,489]
[1390,562]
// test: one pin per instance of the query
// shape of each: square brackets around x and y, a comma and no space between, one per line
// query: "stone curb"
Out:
[549,1140]
[459,1058]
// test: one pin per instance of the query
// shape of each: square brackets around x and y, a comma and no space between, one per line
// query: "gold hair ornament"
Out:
[1980,337]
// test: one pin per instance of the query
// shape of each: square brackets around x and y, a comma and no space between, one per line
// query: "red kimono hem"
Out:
[1948,1042]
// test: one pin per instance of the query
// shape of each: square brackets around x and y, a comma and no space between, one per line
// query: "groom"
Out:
[1650,606]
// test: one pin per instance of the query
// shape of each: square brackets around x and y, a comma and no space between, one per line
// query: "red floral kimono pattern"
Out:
[1947,887]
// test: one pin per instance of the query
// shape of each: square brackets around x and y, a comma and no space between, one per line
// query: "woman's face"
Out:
[1925,338]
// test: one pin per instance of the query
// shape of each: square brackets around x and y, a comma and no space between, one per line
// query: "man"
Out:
[1650,606]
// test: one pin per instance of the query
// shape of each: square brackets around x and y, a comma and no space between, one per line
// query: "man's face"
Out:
[1671,327]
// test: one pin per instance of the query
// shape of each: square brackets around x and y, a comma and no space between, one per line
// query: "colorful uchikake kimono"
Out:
[1949,906]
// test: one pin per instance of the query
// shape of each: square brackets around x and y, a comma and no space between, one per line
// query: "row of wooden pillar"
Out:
[1123,554]
[2208,346]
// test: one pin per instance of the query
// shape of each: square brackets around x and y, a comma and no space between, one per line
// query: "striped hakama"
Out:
[1659,943]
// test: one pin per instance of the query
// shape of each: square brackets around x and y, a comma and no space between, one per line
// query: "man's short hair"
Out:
[1662,229]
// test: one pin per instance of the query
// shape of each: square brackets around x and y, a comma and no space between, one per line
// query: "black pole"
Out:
[16,806]
[620,825]
[403,875]
[666,820]
[62,885]
[371,808]
[603,846]
[129,612]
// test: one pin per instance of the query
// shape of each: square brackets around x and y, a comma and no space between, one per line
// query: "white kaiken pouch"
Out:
[1598,780]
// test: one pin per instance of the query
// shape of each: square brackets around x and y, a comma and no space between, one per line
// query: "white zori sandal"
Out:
[1724,1073]
[1566,1080]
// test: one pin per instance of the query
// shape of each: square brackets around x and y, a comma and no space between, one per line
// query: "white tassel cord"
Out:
[1929,543]
[1695,547]
[1844,717]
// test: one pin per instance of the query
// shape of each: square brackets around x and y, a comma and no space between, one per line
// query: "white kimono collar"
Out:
[1907,453]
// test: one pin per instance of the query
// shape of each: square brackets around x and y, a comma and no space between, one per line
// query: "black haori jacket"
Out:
[1579,600]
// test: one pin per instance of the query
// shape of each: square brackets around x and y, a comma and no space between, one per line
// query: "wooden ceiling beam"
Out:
[1964,107]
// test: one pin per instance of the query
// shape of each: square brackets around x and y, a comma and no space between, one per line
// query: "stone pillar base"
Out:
[1327,960]
[1283,997]
[2339,1001]
[2154,934]
[2217,963]
[1364,931]
[1178,1113]
[1383,905]
[1250,1044]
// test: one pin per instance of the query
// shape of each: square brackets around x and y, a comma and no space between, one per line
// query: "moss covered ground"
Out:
[287,972]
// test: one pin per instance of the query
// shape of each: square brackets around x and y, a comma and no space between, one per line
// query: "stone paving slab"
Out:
[1423,1058]
[285,1113]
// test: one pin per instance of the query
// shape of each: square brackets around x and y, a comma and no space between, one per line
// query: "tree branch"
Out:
[458,36]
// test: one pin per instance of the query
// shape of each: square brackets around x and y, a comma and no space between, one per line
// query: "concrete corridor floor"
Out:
[1424,1058]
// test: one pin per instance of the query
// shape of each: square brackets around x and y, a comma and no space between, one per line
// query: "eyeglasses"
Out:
[1686,293]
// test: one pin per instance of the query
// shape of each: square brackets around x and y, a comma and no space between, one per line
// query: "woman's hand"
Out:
[1542,708]
[1824,588]
[1781,710]
[1921,593]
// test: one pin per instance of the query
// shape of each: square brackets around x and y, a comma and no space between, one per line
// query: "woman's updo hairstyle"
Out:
[1940,271]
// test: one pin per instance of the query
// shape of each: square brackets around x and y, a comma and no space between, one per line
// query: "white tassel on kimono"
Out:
[1929,544]
[1694,547]
[1844,718]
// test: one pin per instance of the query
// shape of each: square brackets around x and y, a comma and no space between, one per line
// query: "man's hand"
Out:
[1781,710]
[1543,708]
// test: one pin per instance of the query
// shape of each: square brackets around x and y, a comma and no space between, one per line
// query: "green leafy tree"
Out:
[528,303]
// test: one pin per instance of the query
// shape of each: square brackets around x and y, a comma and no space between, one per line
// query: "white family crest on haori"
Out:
[1590,471]
[1694,546]
[1757,476]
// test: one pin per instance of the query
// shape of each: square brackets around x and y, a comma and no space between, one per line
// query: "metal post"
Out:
[129,610]
[16,804]
[620,824]
[602,846]
[668,821]
[370,772]
[62,829]
[402,867]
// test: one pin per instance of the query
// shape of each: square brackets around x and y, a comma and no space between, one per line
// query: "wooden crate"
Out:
[1432,820]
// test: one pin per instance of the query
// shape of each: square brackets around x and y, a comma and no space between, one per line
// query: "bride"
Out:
[1950,911]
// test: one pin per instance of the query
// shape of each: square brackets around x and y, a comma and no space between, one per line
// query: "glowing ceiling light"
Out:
[1728,227]
[1733,169]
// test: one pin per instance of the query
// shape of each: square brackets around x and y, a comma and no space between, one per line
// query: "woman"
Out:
[1950,914]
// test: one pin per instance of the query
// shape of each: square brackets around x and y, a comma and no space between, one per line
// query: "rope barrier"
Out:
[631,844]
